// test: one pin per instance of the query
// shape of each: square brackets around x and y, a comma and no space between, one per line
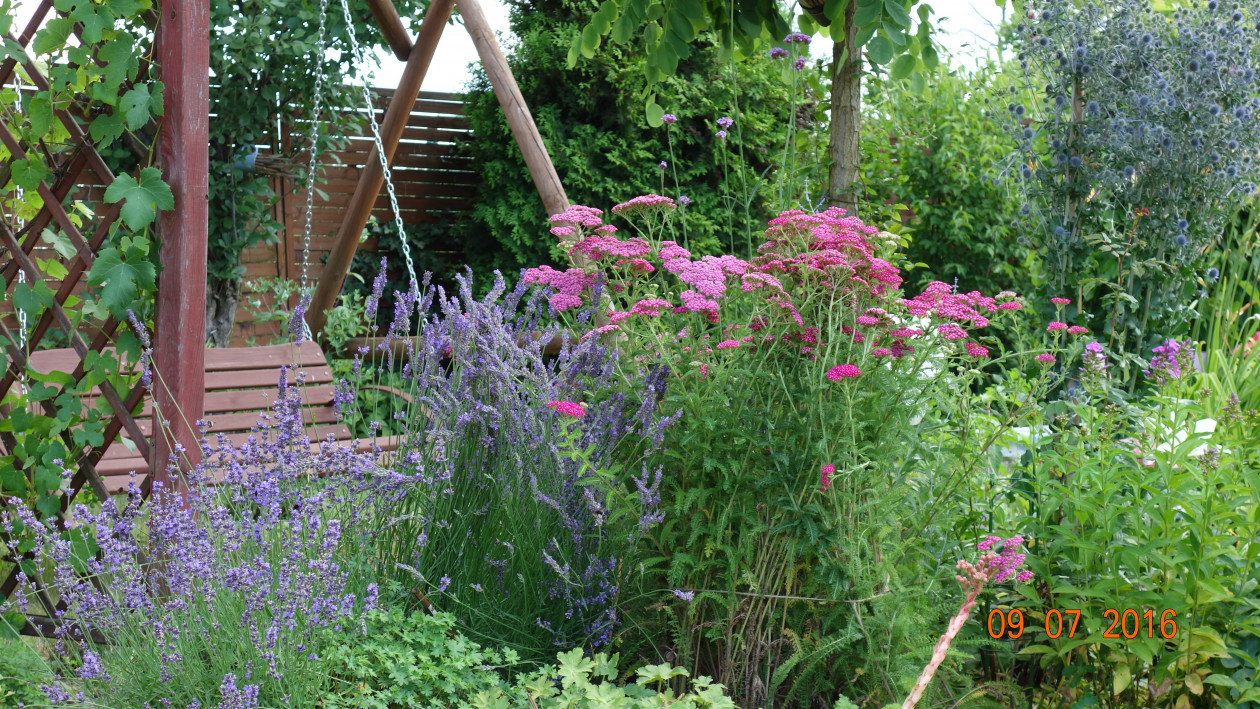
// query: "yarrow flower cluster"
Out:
[843,371]
[990,567]
[568,408]
[827,471]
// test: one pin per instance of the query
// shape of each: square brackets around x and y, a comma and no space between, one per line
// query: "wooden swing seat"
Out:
[241,385]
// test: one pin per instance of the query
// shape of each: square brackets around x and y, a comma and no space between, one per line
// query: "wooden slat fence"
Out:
[432,181]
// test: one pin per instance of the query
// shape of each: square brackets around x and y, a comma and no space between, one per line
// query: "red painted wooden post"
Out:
[183,55]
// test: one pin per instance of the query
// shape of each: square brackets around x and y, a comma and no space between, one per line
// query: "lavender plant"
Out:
[531,493]
[1138,139]
[217,595]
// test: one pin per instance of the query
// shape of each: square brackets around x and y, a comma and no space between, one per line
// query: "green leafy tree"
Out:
[885,30]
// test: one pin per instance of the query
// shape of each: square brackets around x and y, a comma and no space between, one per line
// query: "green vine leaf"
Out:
[120,60]
[122,276]
[143,198]
[27,174]
[138,104]
[105,129]
[53,37]
[39,112]
[95,22]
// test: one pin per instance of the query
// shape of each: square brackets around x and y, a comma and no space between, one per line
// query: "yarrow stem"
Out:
[991,566]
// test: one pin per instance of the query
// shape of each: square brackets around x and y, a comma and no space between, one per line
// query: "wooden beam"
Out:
[360,207]
[183,53]
[392,27]
[518,116]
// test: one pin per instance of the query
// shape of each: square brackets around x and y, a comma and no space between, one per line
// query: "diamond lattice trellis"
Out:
[75,170]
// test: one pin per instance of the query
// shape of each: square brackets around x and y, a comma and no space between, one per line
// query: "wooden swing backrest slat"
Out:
[242,385]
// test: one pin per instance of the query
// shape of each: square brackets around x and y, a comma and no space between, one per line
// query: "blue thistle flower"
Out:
[1075,161]
[1182,224]
[1181,240]
[1231,145]
[1213,273]
[1093,108]
[1129,172]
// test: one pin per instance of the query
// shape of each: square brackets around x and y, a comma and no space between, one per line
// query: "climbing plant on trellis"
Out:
[73,267]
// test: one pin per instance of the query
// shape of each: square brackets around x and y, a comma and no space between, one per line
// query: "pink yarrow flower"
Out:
[1056,326]
[568,408]
[1045,358]
[976,350]
[990,567]
[827,471]
[1061,301]
[1078,330]
[843,371]
[727,344]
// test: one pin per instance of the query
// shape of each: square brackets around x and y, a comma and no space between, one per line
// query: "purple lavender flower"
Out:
[778,53]
[684,200]
[378,289]
[687,596]
[669,119]
[146,350]
[663,165]
[796,37]
[799,64]
[725,122]
[721,134]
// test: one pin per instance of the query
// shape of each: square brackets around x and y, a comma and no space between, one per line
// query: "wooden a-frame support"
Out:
[418,58]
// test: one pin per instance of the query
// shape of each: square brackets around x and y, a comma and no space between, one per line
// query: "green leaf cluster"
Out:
[393,659]
[581,682]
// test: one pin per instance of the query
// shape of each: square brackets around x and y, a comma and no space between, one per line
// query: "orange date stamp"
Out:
[1126,623]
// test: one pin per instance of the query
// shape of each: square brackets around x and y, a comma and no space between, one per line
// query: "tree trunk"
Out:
[221,300]
[846,116]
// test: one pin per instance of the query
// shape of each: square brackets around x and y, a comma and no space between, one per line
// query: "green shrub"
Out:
[398,660]
[1150,505]
[581,682]
[591,119]
[937,153]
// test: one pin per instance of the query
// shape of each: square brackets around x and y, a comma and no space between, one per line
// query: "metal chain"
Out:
[312,139]
[21,315]
[360,60]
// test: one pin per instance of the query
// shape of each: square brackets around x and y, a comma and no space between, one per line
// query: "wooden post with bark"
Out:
[846,116]
[519,118]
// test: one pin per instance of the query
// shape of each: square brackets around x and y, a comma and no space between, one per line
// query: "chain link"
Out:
[360,60]
[312,140]
[21,315]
